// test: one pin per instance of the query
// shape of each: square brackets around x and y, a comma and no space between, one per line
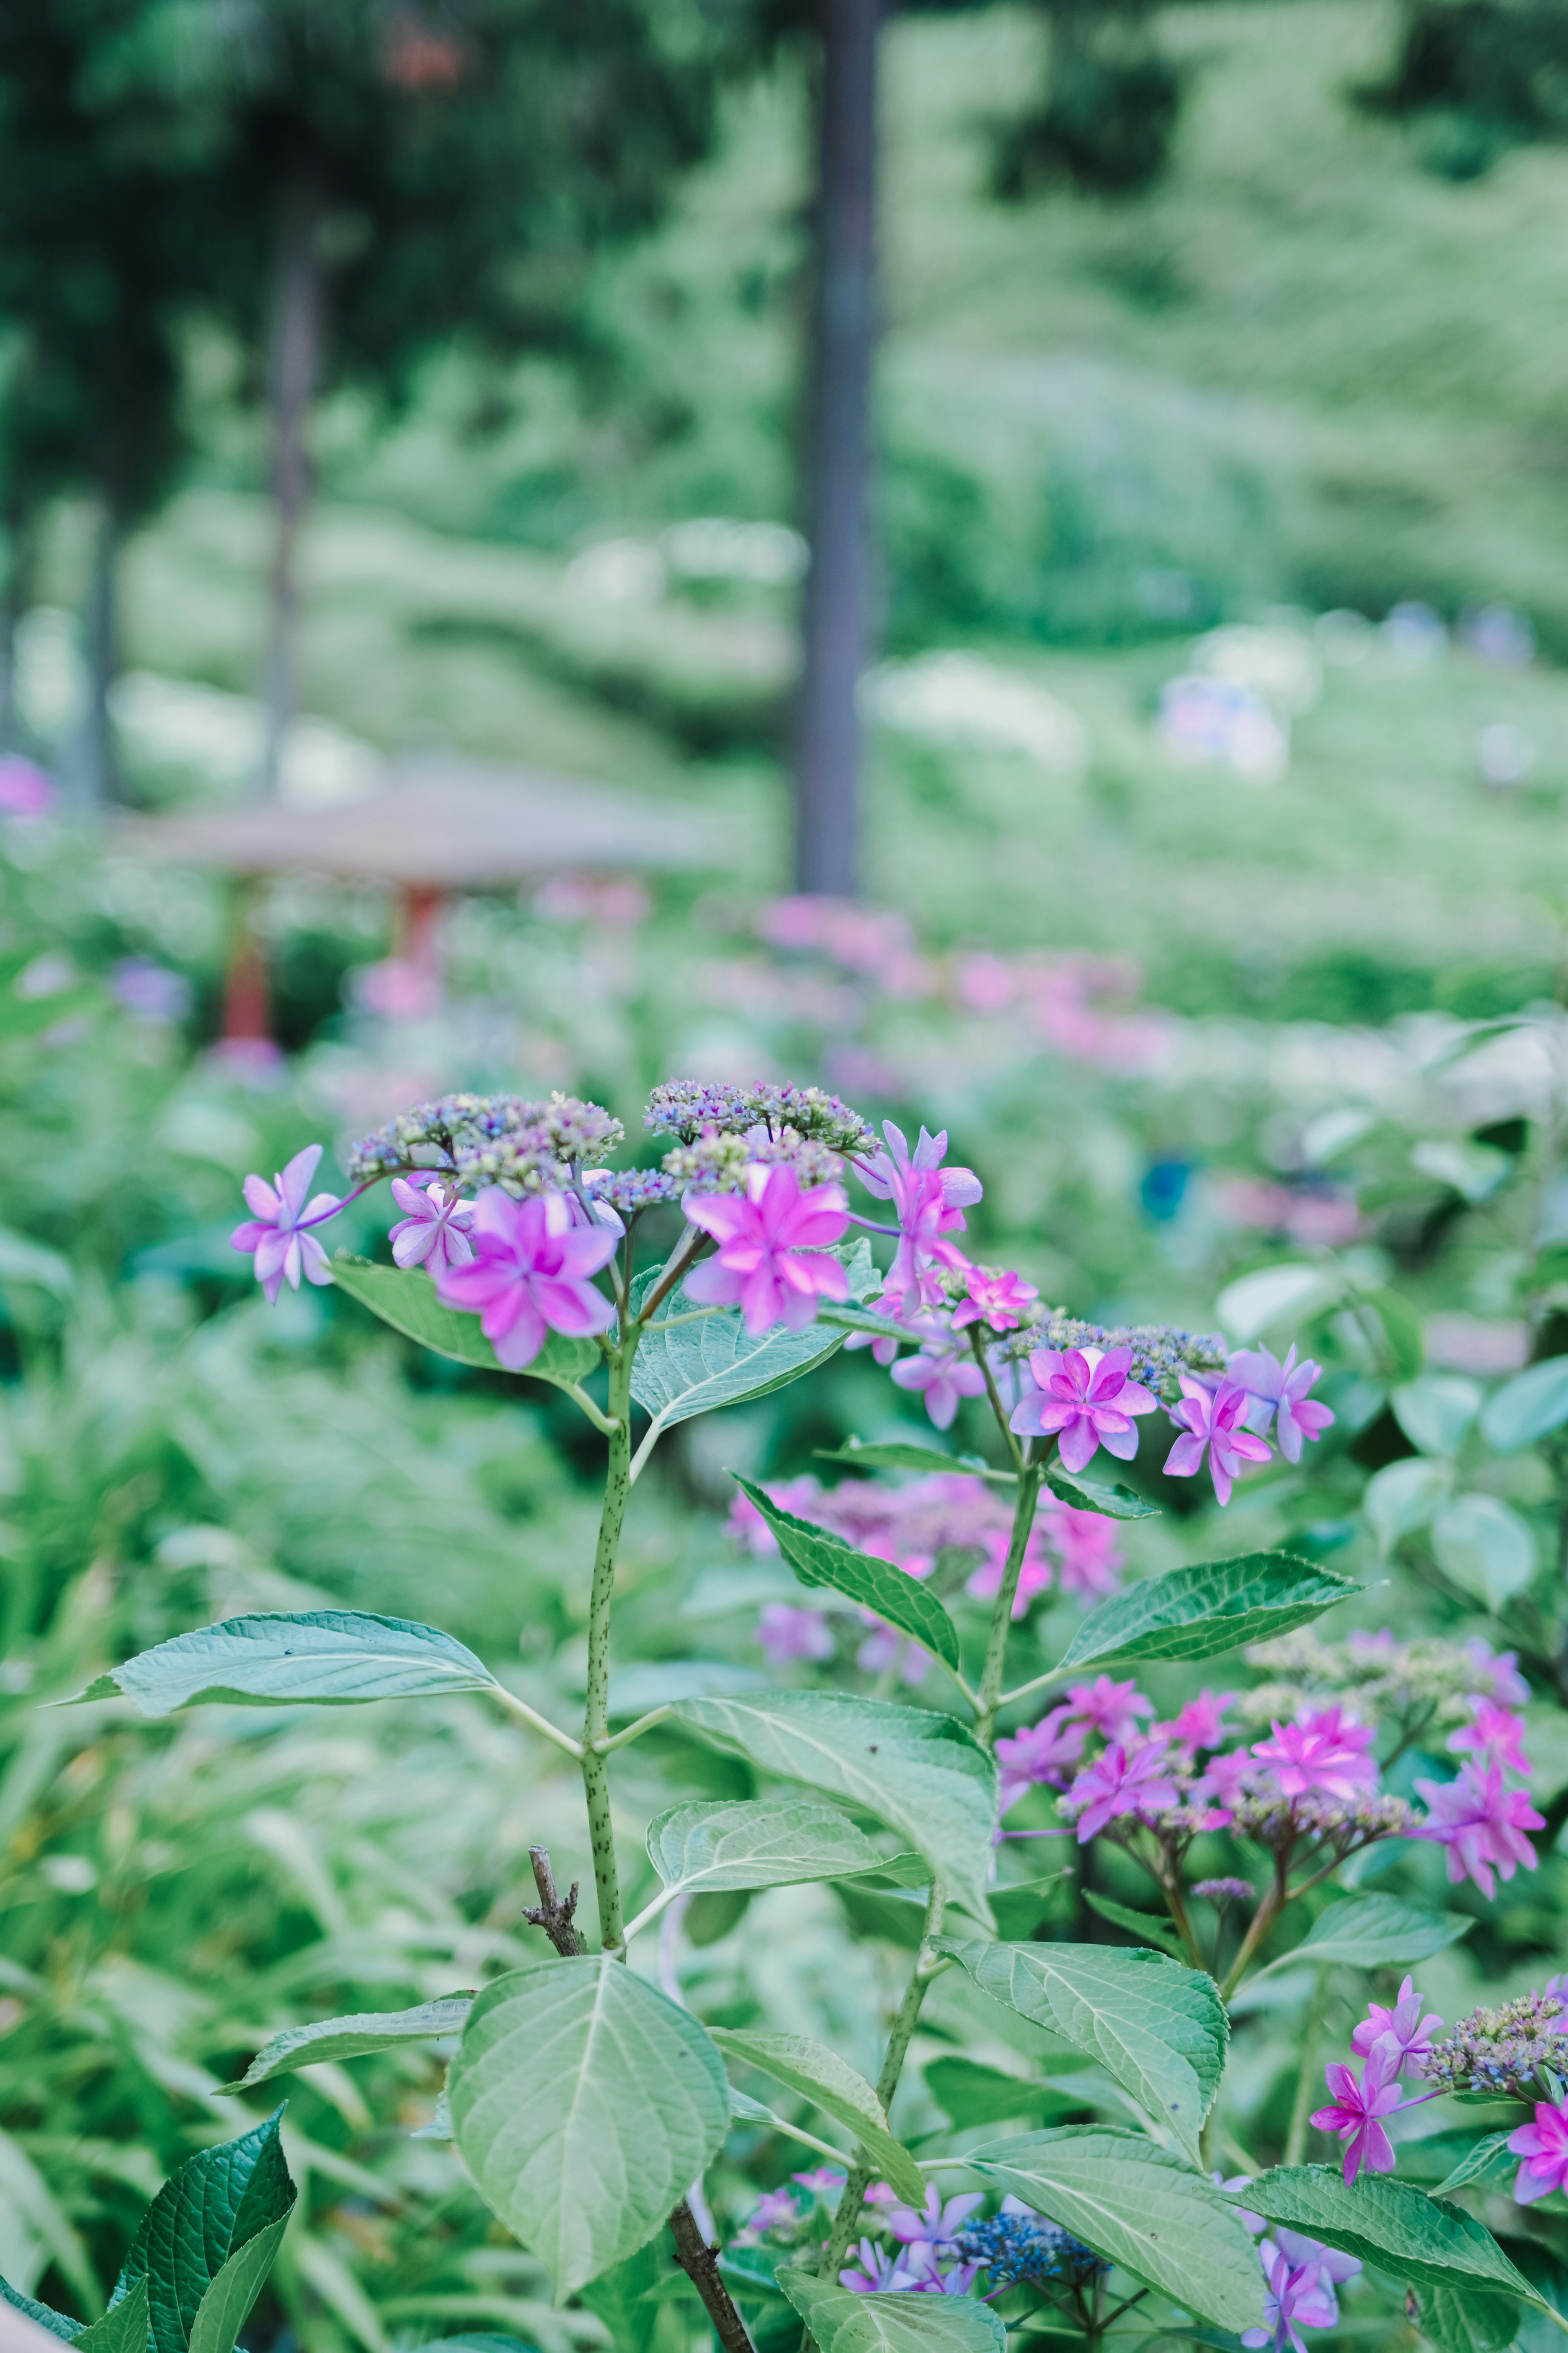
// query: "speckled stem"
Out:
[1002,1607]
[597,1720]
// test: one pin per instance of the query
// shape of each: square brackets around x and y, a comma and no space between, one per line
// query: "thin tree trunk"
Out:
[294,367]
[844,328]
[98,770]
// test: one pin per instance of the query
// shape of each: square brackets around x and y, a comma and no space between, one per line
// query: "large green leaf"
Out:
[1489,2156]
[819,1557]
[1485,1547]
[585,2104]
[1404,2232]
[833,2086]
[43,2315]
[1114,1502]
[406,1298]
[921,1773]
[842,2322]
[226,2307]
[1142,2207]
[327,1657]
[696,1367]
[1158,2030]
[903,1454]
[1528,1408]
[625,2298]
[123,2328]
[1458,2320]
[1402,1496]
[1195,1613]
[756,1842]
[1142,1925]
[352,2037]
[1436,1412]
[209,2213]
[969,2094]
[1372,1932]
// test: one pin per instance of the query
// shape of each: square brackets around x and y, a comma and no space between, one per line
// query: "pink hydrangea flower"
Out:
[1200,1723]
[1124,1781]
[1227,1777]
[1320,1752]
[1085,1396]
[772,1239]
[1215,1425]
[1494,1738]
[1401,2029]
[1544,2148]
[943,1376]
[1357,2105]
[1111,1709]
[1034,1576]
[1498,1675]
[929,1202]
[785,1632]
[1039,1753]
[276,1228]
[822,2181]
[1300,2296]
[1089,1550]
[433,1231]
[530,1275]
[776,2210]
[1481,1824]
[1280,1390]
[895,1173]
[998,1299]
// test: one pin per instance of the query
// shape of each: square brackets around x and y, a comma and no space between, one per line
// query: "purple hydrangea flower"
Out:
[530,1275]
[773,1239]
[276,1230]
[1401,2029]
[1215,1426]
[1280,1390]
[942,1375]
[1088,1398]
[433,1231]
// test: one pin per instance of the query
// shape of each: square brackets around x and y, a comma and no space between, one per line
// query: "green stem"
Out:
[1307,2076]
[995,1394]
[596,1718]
[928,1965]
[580,1397]
[1029,1477]
[1262,1920]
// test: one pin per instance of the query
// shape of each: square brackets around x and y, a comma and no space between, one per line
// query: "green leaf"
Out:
[1458,2320]
[1485,1547]
[625,2299]
[1140,2207]
[756,1842]
[969,2094]
[1142,1925]
[924,1774]
[325,1657]
[1372,1932]
[43,2315]
[585,2104]
[226,2307]
[1251,1305]
[819,1557]
[1490,2154]
[1436,1412]
[209,2212]
[406,1298]
[1528,1408]
[1113,1503]
[833,2086]
[1402,1496]
[1402,1332]
[1197,1612]
[1390,2223]
[902,1454]
[352,2037]
[697,1368]
[123,2328]
[1158,2030]
[841,2322]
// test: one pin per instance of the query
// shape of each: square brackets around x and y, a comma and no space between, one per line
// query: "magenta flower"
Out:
[1034,1576]
[1481,1824]
[878,2273]
[1039,1753]
[276,1230]
[433,1231]
[1300,2296]
[1123,1781]
[773,1240]
[1494,1737]
[776,2210]
[1498,1675]
[822,2181]
[894,1174]
[1544,2148]
[929,1201]
[1227,1777]
[1090,1547]
[785,1632]
[1111,1709]
[998,1299]
[530,1275]
[1319,1753]
[1085,1394]
[1213,1425]
[942,1375]
[1201,1723]
[1402,2029]
[1282,1389]
[1357,2105]
[937,2225]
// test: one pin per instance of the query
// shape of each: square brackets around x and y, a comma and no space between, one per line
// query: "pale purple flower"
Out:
[1280,1390]
[1034,1575]
[1331,2261]
[1543,2146]
[894,1174]
[998,1299]
[1111,1709]
[1358,2104]
[1085,1394]
[943,1376]
[1226,1776]
[785,1632]
[433,1231]
[1401,2029]
[1090,1549]
[1481,1824]
[776,2210]
[1498,1675]
[530,1275]
[929,1201]
[1201,1722]
[1123,1781]
[1320,1752]
[930,2279]
[822,2181]
[881,2193]
[879,2273]
[886,1647]
[276,1229]
[772,1261]
[1214,1427]
[937,2225]
[1494,1738]
[883,1347]
[1300,2296]
[1039,1753]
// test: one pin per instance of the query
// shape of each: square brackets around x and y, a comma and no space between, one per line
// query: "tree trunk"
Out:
[293,366]
[844,327]
[98,777]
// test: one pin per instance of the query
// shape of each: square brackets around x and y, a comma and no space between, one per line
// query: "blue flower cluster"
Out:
[685,1108]
[1161,1353]
[491,1140]
[1018,2245]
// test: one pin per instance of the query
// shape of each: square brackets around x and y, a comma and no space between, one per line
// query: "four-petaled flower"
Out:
[530,1275]
[773,1240]
[1357,2105]
[1401,2029]
[433,1231]
[1544,2148]
[1494,1739]
[1280,1390]
[1124,1781]
[1086,1396]
[998,1299]
[943,1375]
[276,1229]
[1215,1425]
[1322,1752]
[1481,1824]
